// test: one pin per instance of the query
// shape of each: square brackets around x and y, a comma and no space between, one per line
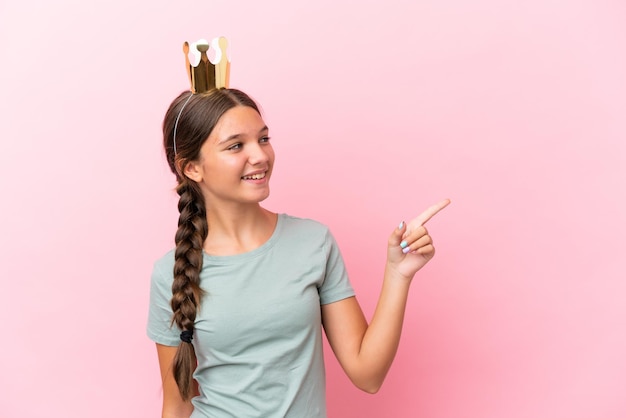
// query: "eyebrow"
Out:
[230,138]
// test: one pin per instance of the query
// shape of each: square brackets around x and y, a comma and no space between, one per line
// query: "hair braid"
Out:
[193,126]
[186,291]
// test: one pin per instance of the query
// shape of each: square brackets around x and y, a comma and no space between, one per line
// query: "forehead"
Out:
[237,121]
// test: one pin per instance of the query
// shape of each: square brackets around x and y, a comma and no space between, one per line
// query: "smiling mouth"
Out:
[258,176]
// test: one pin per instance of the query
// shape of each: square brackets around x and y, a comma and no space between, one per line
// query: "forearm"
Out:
[382,336]
[367,351]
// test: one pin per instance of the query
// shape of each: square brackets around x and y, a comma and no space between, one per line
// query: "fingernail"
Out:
[403,244]
[401,225]
[406,250]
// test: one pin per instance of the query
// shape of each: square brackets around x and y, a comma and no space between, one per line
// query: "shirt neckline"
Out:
[238,258]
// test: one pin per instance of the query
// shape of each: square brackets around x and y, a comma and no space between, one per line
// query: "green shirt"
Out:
[257,335]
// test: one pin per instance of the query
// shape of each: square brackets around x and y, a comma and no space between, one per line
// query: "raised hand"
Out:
[410,245]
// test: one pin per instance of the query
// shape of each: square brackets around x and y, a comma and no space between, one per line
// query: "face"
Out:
[236,160]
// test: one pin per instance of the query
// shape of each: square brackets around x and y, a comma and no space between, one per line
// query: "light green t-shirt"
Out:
[258,337]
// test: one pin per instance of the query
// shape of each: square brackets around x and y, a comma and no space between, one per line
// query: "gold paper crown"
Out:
[205,75]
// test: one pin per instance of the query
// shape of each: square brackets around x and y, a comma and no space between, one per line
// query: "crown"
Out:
[203,74]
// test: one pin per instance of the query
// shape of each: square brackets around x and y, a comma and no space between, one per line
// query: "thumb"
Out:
[396,236]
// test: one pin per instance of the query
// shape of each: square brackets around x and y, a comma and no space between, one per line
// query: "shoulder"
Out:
[164,266]
[293,224]
[166,259]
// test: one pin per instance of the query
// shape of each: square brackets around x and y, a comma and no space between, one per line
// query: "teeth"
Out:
[254,176]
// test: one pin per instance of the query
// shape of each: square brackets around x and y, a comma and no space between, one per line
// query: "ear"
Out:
[192,171]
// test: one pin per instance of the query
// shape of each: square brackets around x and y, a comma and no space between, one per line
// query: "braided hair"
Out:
[184,133]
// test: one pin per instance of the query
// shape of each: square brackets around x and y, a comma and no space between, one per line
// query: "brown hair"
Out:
[200,113]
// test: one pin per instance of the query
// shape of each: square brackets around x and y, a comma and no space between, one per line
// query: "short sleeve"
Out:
[160,328]
[336,285]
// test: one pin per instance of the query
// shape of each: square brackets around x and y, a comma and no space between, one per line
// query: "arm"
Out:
[366,351]
[173,405]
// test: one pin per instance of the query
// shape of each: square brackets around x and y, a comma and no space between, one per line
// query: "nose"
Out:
[259,154]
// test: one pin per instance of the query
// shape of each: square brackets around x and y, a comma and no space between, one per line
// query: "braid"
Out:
[202,112]
[186,291]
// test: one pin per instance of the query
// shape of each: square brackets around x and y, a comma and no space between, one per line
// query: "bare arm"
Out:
[366,351]
[173,405]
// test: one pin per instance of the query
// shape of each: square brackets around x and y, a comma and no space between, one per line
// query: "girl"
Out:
[237,308]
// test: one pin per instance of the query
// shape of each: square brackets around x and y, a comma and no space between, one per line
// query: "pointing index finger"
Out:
[431,211]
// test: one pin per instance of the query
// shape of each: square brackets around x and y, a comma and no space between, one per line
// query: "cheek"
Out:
[270,154]
[226,164]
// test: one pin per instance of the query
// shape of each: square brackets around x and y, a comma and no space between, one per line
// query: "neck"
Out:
[238,229]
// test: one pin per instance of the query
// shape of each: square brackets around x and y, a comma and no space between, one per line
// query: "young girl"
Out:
[236,309]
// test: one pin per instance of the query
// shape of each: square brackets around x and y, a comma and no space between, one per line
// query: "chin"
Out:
[259,197]
[265,196]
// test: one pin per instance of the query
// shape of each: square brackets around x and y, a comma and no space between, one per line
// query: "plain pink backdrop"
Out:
[515,110]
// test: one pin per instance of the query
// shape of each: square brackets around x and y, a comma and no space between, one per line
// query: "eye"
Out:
[234,147]
[264,139]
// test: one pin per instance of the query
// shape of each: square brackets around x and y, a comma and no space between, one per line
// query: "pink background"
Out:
[515,110]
